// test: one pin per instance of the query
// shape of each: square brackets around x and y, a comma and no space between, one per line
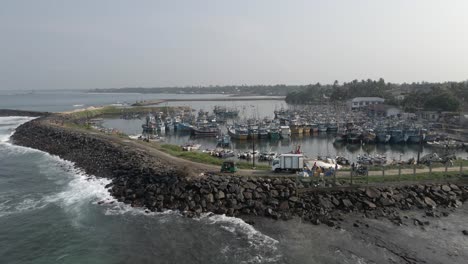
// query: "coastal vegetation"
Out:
[115,111]
[448,96]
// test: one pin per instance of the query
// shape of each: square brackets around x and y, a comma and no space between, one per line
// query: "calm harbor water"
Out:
[49,213]
[321,144]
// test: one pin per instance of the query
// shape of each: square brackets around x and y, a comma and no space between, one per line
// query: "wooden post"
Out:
[334,177]
[446,169]
[367,177]
[430,170]
[399,172]
[383,173]
[414,172]
[461,168]
[351,178]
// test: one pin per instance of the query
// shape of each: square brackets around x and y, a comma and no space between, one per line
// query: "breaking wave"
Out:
[266,248]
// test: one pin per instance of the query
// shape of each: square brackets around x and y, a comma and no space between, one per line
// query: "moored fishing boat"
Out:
[263,133]
[238,132]
[206,131]
[314,128]
[296,129]
[253,132]
[354,136]
[397,136]
[332,128]
[285,132]
[224,141]
[322,128]
[274,133]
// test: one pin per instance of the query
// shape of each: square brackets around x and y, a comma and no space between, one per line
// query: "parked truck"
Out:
[288,162]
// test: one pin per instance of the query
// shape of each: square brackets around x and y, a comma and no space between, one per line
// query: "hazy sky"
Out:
[99,44]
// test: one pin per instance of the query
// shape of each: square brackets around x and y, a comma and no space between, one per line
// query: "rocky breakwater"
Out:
[93,152]
[278,198]
[143,179]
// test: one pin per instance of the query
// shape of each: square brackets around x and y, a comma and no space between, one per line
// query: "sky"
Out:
[87,44]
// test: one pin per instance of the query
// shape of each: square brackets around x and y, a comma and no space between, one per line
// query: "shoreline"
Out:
[145,177]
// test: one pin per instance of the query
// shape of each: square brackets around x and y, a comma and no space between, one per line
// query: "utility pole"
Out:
[253,152]
[420,145]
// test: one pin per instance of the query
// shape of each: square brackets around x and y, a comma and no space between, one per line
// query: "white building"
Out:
[360,102]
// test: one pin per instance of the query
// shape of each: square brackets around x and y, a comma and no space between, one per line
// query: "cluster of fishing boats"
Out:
[349,127]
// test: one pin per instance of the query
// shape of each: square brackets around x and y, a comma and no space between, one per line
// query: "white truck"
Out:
[288,162]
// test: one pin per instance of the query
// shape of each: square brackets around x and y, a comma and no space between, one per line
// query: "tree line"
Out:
[447,96]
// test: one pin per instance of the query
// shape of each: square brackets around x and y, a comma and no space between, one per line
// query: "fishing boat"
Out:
[285,132]
[225,112]
[206,131]
[369,136]
[332,128]
[149,127]
[382,136]
[322,128]
[340,138]
[354,136]
[252,132]
[238,132]
[263,133]
[314,128]
[413,136]
[169,125]
[307,128]
[224,141]
[274,133]
[296,129]
[183,126]
[397,136]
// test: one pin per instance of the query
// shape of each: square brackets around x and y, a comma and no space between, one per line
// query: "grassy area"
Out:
[425,176]
[112,111]
[456,163]
[206,158]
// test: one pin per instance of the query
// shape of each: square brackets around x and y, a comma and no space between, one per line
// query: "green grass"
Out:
[205,158]
[456,163]
[424,176]
[112,111]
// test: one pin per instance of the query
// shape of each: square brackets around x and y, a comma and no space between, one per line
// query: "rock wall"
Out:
[145,181]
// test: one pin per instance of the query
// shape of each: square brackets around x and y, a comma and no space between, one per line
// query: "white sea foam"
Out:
[261,243]
[11,122]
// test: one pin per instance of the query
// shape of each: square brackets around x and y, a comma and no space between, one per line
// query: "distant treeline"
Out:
[272,90]
[447,96]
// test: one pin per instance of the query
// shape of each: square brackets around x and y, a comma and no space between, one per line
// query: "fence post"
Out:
[414,172]
[399,173]
[461,169]
[334,177]
[367,177]
[351,178]
[446,169]
[430,170]
[383,173]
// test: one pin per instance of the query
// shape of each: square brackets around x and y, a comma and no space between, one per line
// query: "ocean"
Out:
[52,212]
